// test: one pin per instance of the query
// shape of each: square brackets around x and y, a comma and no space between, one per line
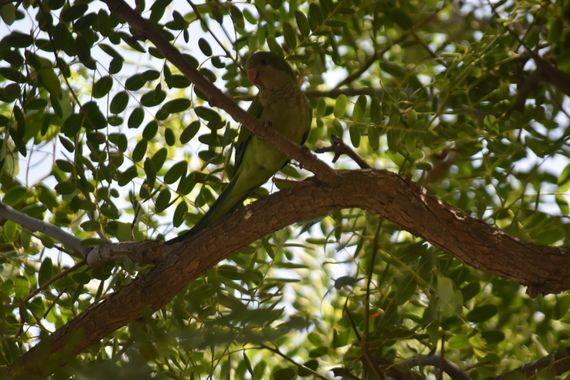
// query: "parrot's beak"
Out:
[252,75]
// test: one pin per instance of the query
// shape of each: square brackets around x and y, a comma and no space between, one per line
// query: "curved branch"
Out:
[436,361]
[33,224]
[558,361]
[402,202]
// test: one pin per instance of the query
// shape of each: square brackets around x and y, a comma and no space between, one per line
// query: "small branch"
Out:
[33,224]
[558,362]
[339,148]
[436,361]
[52,280]
[216,97]
[344,373]
[278,352]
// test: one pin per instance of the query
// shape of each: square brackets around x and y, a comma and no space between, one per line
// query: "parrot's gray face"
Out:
[268,71]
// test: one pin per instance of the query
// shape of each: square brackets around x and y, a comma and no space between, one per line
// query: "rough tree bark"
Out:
[543,269]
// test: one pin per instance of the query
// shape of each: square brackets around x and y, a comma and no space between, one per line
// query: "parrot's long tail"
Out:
[226,203]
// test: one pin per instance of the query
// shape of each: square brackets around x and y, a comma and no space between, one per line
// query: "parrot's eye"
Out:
[264,62]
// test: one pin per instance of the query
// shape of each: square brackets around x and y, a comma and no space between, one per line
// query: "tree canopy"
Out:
[423,231]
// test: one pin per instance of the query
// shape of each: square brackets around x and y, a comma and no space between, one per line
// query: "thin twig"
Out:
[276,351]
[339,148]
[52,280]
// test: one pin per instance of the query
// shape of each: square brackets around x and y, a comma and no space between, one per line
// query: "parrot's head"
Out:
[269,71]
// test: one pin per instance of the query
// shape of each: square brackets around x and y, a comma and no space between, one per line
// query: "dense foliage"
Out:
[104,138]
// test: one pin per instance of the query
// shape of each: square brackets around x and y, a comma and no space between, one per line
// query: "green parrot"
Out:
[280,104]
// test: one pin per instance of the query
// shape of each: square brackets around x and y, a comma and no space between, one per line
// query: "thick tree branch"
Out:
[216,97]
[543,269]
[557,362]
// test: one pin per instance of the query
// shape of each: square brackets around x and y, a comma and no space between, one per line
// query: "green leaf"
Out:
[13,75]
[169,136]
[493,336]
[10,93]
[311,364]
[482,313]
[74,12]
[393,69]
[315,16]
[18,40]
[65,166]
[340,105]
[175,172]
[375,110]
[119,102]
[163,200]
[177,81]
[401,18]
[207,114]
[15,196]
[140,150]
[93,117]
[50,80]
[153,98]
[204,47]
[159,158]
[302,23]
[47,197]
[120,140]
[562,204]
[135,82]
[354,132]
[176,105]
[450,298]
[136,118]
[359,109]
[158,8]
[102,87]
[179,214]
[284,374]
[8,13]
[289,35]
[564,179]
[10,230]
[186,185]
[374,138]
[72,125]
[46,271]
[189,132]
[150,130]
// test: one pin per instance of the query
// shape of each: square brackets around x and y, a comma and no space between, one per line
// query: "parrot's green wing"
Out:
[245,135]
